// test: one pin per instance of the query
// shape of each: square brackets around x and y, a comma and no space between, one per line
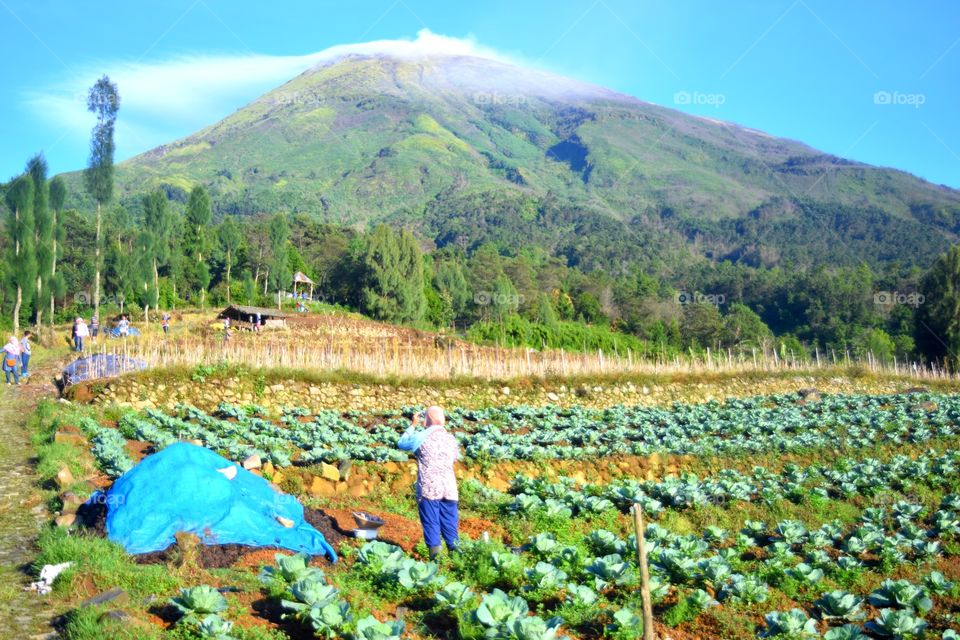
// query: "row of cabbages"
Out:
[761,424]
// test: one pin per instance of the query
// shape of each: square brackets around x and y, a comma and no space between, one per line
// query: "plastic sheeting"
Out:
[132,332]
[100,365]
[181,489]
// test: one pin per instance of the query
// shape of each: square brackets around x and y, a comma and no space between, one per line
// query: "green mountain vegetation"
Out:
[469,150]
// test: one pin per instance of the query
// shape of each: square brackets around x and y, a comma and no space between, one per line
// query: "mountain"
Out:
[468,149]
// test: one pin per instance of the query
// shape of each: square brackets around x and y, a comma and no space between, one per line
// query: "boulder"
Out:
[66,520]
[64,478]
[115,596]
[329,472]
[252,462]
[321,488]
[268,469]
[64,436]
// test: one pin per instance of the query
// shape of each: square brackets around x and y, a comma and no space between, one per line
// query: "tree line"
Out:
[164,251]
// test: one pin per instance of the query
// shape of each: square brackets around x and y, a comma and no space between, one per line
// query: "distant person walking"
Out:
[25,354]
[94,326]
[165,323]
[11,360]
[436,450]
[80,333]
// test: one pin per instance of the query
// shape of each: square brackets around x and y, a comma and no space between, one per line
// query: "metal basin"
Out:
[367,520]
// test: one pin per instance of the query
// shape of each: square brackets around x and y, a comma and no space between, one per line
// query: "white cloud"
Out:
[166,99]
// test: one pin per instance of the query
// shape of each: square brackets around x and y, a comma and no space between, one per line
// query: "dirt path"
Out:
[22,614]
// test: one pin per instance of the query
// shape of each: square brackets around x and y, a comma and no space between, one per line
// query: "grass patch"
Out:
[105,563]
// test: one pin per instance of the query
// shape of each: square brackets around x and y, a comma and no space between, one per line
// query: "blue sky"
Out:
[875,81]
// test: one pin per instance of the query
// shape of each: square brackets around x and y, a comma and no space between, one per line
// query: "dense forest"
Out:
[164,251]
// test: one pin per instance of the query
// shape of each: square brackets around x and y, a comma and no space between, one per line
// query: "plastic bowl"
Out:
[365,534]
[367,520]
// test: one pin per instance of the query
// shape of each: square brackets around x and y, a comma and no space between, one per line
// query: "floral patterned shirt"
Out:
[435,458]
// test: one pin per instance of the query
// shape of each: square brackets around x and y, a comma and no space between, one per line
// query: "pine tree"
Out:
[393,277]
[230,239]
[154,246]
[279,266]
[938,316]
[196,240]
[58,195]
[104,101]
[21,258]
[42,236]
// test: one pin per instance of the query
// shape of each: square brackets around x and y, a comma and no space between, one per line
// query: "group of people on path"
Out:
[81,330]
[16,358]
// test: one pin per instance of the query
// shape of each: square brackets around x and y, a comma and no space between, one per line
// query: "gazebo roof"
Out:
[301,277]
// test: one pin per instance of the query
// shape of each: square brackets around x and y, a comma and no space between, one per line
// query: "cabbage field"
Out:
[835,518]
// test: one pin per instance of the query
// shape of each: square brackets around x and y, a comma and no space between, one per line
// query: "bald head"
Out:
[435,416]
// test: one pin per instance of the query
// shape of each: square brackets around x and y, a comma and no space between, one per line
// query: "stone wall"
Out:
[142,392]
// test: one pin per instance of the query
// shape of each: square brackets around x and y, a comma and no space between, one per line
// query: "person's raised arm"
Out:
[409,441]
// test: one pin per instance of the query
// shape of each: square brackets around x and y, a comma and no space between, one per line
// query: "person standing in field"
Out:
[123,326]
[94,326]
[165,323]
[436,450]
[80,333]
[11,360]
[25,354]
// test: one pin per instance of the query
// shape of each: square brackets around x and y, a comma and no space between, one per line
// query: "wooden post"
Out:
[644,574]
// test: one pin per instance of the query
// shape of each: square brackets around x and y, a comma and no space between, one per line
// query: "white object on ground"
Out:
[48,574]
[230,472]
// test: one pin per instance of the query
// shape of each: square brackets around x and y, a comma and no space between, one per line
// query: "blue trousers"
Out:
[24,364]
[439,518]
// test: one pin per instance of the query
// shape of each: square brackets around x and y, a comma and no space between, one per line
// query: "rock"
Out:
[115,595]
[329,472]
[552,397]
[344,468]
[321,487]
[505,391]
[196,441]
[116,615]
[285,522]
[252,462]
[314,391]
[357,491]
[66,520]
[391,467]
[69,437]
[277,478]
[64,478]
[341,487]
[256,472]
[267,468]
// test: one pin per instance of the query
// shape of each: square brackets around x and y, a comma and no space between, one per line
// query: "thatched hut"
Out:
[244,317]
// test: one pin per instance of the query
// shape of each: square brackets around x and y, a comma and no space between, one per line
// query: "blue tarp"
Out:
[181,489]
[132,332]
[100,365]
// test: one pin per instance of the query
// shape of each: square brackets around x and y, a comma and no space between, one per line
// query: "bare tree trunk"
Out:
[16,310]
[96,278]
[156,290]
[53,271]
[228,277]
[16,252]
[266,278]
